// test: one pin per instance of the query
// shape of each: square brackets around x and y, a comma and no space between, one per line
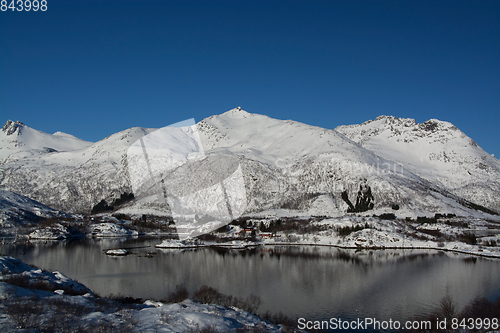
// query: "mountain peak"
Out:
[18,141]
[429,126]
[65,135]
[433,125]
[405,129]
[407,122]
[10,127]
[236,113]
[436,150]
[384,117]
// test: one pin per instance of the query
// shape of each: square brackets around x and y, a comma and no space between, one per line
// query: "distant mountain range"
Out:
[383,165]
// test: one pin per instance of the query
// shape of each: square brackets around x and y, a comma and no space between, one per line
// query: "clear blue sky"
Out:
[92,68]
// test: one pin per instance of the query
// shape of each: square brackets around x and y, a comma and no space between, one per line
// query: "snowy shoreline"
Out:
[467,235]
[490,255]
[36,299]
[258,244]
[363,233]
[359,240]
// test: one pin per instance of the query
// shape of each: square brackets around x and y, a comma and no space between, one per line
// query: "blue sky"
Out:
[92,68]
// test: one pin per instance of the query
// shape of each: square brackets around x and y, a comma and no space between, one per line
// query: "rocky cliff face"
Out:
[283,165]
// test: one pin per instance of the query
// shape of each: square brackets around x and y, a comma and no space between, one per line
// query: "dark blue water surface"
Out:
[315,283]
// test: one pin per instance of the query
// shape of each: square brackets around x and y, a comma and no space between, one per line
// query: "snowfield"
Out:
[436,151]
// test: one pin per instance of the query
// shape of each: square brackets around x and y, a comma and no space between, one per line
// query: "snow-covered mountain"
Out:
[71,180]
[284,165]
[18,141]
[435,150]
[17,210]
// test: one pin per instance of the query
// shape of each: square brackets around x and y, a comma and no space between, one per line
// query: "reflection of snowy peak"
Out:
[284,165]
[435,150]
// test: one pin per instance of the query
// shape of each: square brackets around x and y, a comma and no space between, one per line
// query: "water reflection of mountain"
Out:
[311,282]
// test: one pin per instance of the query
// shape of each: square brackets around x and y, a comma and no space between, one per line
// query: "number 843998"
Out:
[23,5]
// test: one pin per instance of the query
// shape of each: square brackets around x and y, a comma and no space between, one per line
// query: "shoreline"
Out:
[222,245]
[247,244]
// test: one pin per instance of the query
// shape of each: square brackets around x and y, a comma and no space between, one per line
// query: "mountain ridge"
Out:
[435,150]
[285,165]
[19,141]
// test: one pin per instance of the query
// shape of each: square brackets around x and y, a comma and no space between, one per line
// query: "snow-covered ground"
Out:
[190,243]
[109,229]
[180,244]
[53,232]
[365,232]
[347,231]
[33,299]
[448,233]
[403,234]
[117,252]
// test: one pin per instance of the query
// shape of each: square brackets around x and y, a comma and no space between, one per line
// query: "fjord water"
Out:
[315,283]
